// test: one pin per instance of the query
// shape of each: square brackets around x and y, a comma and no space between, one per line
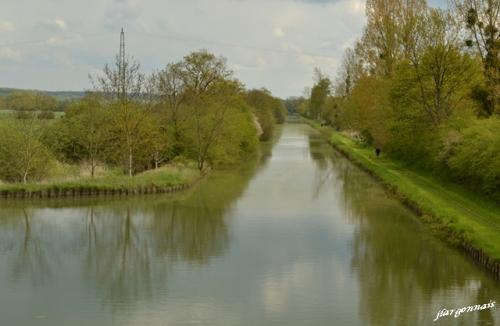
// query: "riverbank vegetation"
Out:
[460,216]
[191,115]
[422,85]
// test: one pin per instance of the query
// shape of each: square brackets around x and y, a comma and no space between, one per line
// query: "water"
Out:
[302,237]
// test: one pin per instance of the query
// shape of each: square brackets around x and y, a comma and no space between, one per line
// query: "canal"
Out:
[299,237]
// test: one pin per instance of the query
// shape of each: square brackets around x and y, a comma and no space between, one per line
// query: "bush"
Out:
[46,115]
[475,154]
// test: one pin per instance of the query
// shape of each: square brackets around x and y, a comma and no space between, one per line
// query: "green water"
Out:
[301,237]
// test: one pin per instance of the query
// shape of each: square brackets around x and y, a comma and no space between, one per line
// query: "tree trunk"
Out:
[200,163]
[130,162]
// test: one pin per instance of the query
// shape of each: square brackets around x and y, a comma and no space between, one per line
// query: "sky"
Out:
[276,44]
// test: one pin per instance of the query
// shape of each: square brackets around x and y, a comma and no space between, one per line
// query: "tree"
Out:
[348,73]
[482,20]
[132,131]
[263,105]
[389,33]
[211,116]
[441,77]
[171,91]
[88,124]
[23,156]
[211,94]
[122,81]
[30,101]
[319,94]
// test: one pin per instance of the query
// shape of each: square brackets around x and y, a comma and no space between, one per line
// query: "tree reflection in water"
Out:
[402,270]
[124,247]
[23,238]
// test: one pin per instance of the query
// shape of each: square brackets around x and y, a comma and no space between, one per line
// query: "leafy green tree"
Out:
[23,156]
[262,103]
[171,93]
[319,93]
[389,35]
[482,20]
[88,124]
[212,97]
[439,80]
[131,131]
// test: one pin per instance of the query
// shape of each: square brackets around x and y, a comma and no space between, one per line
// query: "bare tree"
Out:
[120,81]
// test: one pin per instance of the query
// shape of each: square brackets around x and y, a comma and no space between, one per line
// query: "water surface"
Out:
[301,237]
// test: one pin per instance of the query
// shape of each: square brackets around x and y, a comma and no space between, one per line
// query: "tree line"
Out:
[423,85]
[32,101]
[192,110]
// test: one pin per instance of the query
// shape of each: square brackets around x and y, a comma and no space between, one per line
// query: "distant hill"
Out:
[59,95]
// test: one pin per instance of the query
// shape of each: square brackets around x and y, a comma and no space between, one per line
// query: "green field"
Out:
[453,211]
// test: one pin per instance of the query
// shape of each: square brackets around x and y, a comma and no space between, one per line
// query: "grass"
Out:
[166,176]
[461,216]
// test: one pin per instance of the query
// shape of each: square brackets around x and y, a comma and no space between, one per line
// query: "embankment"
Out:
[163,180]
[462,218]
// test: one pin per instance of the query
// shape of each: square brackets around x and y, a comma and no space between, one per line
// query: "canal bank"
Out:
[301,237]
[456,215]
[166,179]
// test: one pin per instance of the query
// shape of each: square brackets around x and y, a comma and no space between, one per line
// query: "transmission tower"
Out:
[121,65]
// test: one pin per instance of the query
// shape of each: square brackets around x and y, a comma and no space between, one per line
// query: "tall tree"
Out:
[319,93]
[88,124]
[482,20]
[171,91]
[132,131]
[389,33]
[442,75]
[123,80]
[211,93]
[23,156]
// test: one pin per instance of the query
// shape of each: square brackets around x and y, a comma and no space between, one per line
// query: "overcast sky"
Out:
[56,44]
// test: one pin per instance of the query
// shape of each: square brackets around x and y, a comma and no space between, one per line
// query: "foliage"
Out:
[192,110]
[481,19]
[411,89]
[29,101]
[23,156]
[462,216]
[319,94]
[474,154]
[264,105]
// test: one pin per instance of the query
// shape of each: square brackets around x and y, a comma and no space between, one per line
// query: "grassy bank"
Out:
[165,179]
[463,218]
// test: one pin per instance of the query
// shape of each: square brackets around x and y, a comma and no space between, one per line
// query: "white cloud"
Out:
[57,24]
[6,26]
[10,54]
[269,43]
[278,32]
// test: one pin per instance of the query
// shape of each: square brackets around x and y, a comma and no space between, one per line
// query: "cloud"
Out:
[55,24]
[319,1]
[6,26]
[278,32]
[268,43]
[7,53]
